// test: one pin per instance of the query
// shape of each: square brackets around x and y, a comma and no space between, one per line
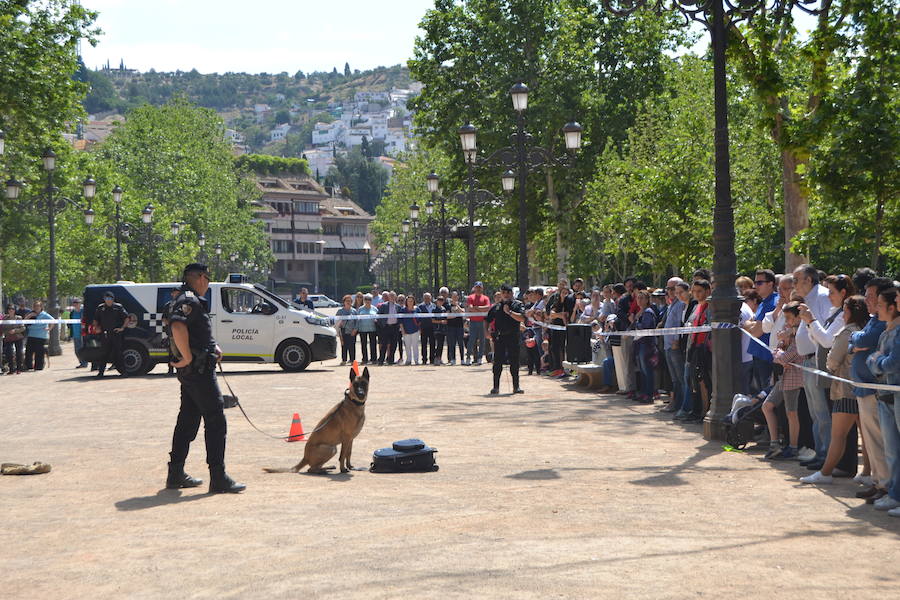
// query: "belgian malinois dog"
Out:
[340,426]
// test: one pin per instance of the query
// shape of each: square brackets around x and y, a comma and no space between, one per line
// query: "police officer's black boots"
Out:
[179,479]
[221,483]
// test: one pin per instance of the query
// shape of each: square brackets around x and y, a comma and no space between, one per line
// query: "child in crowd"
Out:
[787,389]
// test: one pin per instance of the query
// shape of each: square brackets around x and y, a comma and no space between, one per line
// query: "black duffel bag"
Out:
[404,456]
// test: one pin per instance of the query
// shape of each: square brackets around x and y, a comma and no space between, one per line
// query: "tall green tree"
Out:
[39,100]
[793,77]
[175,157]
[364,177]
[856,168]
[578,63]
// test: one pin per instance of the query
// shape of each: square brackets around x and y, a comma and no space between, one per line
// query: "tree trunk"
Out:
[796,208]
[879,230]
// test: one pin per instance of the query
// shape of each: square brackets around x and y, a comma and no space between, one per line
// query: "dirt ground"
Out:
[559,493]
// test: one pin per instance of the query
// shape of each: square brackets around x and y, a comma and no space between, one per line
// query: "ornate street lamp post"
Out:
[525,158]
[414,218]
[396,251]
[407,282]
[151,240]
[217,249]
[53,204]
[117,199]
[433,182]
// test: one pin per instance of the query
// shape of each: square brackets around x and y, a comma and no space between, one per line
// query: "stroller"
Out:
[745,421]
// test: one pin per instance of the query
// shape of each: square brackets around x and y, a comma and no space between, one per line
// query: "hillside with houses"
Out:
[319,115]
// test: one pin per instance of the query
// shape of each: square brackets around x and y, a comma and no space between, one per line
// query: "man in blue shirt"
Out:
[303,299]
[761,373]
[75,328]
[36,337]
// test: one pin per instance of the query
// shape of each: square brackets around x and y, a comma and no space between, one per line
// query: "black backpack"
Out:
[404,456]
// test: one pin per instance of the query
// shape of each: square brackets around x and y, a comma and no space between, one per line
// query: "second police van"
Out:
[250,324]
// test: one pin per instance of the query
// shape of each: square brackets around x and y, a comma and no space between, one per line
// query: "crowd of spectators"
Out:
[796,328]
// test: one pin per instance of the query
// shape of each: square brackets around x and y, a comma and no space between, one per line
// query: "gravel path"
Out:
[559,493]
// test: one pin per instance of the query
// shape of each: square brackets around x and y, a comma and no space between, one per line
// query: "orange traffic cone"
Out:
[296,433]
[356,368]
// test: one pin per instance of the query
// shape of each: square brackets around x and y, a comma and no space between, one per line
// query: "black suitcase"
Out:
[578,343]
[405,456]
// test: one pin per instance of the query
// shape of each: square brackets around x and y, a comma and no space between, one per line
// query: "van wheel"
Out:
[136,360]
[293,355]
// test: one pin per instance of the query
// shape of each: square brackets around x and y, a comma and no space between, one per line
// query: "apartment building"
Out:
[320,241]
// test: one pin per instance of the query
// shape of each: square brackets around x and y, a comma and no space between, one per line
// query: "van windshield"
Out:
[271,296]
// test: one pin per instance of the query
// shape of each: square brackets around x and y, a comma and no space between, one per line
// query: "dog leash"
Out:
[243,412]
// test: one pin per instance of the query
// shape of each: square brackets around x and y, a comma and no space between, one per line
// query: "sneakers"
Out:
[886,503]
[477,362]
[775,449]
[787,453]
[466,363]
[865,480]
[343,362]
[894,512]
[806,454]
[818,477]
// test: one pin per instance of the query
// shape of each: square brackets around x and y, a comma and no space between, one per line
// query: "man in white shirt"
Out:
[773,321]
[815,299]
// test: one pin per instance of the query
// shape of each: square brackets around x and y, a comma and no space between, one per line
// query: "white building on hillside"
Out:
[280,132]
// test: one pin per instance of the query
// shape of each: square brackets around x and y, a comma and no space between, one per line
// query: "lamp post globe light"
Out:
[52,203]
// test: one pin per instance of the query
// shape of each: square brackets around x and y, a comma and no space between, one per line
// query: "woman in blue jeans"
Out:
[885,364]
[645,347]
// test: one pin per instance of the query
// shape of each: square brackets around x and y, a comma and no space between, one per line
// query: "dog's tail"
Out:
[295,469]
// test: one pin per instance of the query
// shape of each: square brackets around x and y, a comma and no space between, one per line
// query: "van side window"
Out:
[241,301]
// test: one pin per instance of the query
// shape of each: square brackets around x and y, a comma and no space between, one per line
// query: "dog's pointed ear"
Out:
[352,375]
[365,373]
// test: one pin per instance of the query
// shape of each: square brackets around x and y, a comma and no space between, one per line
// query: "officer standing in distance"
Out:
[110,317]
[506,315]
[195,360]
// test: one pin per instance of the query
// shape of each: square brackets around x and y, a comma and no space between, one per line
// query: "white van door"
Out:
[245,323]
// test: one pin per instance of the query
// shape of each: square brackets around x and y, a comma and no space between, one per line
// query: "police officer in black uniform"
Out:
[506,316]
[110,316]
[196,354]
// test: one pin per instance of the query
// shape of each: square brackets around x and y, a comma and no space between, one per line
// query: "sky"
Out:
[268,36]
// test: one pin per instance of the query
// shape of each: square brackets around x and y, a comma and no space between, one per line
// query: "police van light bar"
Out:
[236,278]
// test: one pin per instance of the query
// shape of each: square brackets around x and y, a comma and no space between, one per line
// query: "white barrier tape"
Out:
[423,316]
[858,384]
[39,321]
[655,332]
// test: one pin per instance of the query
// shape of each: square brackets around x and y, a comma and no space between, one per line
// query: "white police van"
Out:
[250,324]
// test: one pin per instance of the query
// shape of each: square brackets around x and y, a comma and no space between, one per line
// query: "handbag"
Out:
[404,456]
[822,355]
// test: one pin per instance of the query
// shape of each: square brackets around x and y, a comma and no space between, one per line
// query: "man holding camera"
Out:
[195,357]
[507,316]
